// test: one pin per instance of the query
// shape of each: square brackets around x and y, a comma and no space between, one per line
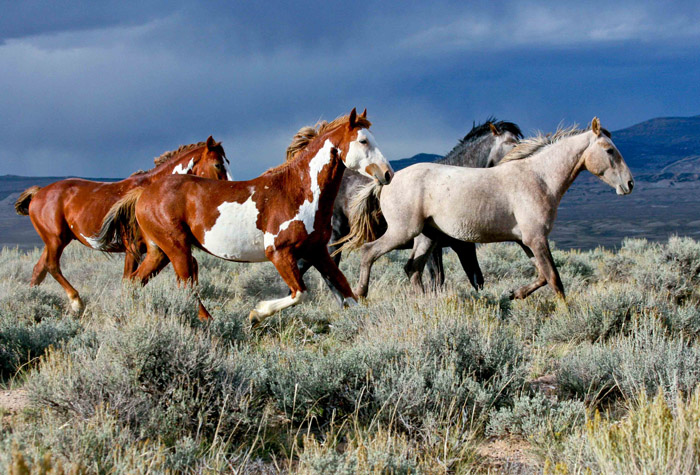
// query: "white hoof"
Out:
[76,305]
[350,302]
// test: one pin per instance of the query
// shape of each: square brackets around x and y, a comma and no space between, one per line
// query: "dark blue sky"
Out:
[100,88]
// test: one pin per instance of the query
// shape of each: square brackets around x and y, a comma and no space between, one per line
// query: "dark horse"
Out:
[484,146]
[74,208]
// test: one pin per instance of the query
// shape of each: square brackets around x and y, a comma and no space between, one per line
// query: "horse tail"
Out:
[22,203]
[366,220]
[120,230]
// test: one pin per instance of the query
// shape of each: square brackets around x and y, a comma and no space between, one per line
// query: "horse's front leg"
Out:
[286,264]
[336,280]
[538,250]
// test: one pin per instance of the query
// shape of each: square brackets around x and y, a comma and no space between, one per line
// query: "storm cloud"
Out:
[100,88]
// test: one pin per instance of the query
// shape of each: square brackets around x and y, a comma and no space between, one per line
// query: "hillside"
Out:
[656,143]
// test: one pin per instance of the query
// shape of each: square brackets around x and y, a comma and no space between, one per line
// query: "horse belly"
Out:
[235,236]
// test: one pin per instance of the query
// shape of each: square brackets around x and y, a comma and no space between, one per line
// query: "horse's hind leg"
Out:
[152,264]
[466,252]
[40,270]
[186,269]
[423,247]
[372,251]
[54,249]
[436,270]
[286,265]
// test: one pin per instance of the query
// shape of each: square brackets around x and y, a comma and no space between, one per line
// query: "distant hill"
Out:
[420,158]
[657,143]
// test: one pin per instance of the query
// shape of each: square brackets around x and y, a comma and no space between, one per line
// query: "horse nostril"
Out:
[630,185]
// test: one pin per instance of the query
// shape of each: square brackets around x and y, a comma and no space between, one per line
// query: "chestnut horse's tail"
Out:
[366,220]
[119,229]
[22,203]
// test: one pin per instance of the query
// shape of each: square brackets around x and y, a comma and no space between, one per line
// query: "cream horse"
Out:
[514,201]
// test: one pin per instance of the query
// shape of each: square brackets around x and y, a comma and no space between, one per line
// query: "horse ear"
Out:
[494,129]
[595,126]
[211,144]
[364,113]
[353,118]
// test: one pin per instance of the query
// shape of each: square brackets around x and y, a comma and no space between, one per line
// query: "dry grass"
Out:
[401,384]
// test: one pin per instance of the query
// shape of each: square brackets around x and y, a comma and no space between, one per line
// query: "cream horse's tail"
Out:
[365,218]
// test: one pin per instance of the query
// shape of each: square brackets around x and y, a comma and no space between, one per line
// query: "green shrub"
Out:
[538,418]
[645,360]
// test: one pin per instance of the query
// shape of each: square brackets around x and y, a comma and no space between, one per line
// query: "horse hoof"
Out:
[255,319]
[76,305]
[350,302]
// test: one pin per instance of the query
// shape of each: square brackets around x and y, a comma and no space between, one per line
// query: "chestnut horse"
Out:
[282,216]
[74,208]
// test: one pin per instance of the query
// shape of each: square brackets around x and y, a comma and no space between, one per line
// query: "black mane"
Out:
[484,128]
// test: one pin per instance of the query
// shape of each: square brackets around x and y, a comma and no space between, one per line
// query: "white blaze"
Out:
[235,235]
[362,152]
[181,170]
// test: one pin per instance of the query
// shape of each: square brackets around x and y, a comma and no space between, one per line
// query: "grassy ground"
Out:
[453,382]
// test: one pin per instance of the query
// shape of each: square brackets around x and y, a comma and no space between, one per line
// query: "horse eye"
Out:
[363,141]
[217,166]
[610,151]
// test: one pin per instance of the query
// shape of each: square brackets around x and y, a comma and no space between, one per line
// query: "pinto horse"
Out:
[74,208]
[516,200]
[482,147]
[281,216]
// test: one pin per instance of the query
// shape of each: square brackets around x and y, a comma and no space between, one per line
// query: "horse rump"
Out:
[22,203]
[120,230]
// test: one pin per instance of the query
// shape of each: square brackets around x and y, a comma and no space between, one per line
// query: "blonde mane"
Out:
[530,146]
[306,134]
[182,148]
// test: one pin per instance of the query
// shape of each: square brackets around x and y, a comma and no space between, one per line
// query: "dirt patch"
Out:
[13,400]
[508,456]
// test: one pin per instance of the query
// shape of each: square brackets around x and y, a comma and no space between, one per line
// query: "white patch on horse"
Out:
[94,243]
[234,235]
[268,307]
[181,170]
[307,210]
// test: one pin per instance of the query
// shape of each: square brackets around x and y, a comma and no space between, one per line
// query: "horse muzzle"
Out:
[382,173]
[625,189]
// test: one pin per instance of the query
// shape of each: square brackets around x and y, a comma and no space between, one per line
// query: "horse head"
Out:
[212,162]
[603,159]
[504,139]
[362,153]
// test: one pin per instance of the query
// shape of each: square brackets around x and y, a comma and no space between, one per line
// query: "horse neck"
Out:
[180,162]
[559,165]
[474,153]
[325,170]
